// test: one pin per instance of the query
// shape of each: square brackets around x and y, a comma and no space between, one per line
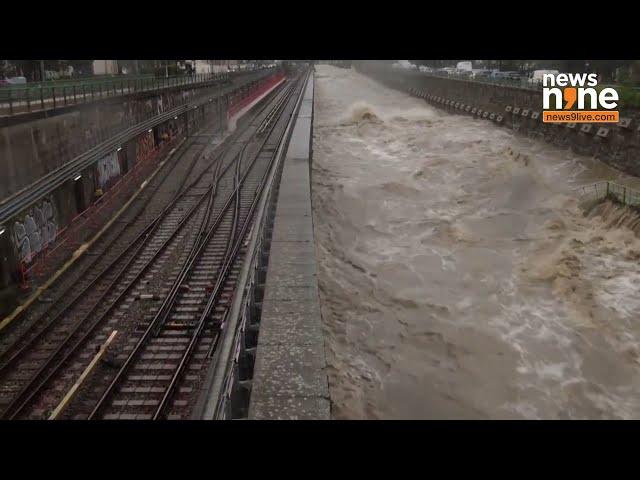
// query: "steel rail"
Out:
[150,226]
[230,259]
[219,379]
[21,400]
[28,392]
[180,192]
[80,293]
[233,247]
[160,316]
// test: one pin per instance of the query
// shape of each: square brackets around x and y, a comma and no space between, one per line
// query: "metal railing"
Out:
[52,95]
[521,82]
[87,222]
[607,189]
[107,142]
[69,82]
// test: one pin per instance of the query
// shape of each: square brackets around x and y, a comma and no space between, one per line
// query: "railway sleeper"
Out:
[193,307]
[180,325]
[184,332]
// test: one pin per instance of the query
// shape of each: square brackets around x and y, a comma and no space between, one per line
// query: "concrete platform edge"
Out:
[290,380]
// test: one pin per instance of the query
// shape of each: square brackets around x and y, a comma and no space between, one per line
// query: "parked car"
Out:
[425,69]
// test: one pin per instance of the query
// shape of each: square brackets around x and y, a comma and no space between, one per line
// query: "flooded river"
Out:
[458,276]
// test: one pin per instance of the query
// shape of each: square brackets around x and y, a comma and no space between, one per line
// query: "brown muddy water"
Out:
[459,278]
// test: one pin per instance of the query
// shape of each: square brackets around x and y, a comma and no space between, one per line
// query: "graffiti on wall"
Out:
[108,168]
[145,146]
[164,102]
[35,230]
[152,106]
[160,105]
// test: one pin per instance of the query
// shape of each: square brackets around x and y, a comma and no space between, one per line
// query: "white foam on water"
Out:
[459,278]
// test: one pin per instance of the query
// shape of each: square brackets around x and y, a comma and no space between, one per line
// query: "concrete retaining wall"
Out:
[520,110]
[37,228]
[290,380]
[31,149]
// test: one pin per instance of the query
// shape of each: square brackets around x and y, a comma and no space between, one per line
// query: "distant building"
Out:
[209,66]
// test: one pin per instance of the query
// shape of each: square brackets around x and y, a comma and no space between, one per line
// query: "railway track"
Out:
[52,338]
[43,363]
[189,156]
[49,182]
[164,368]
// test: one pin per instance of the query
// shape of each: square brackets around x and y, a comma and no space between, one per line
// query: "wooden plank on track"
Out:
[72,392]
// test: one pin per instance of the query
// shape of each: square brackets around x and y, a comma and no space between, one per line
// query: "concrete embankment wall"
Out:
[29,150]
[519,109]
[290,380]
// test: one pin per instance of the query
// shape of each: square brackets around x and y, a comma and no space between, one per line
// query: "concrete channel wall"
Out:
[290,380]
[518,109]
[271,363]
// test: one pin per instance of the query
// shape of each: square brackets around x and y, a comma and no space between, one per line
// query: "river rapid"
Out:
[458,276]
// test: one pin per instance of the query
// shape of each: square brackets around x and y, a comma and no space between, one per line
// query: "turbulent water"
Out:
[459,278]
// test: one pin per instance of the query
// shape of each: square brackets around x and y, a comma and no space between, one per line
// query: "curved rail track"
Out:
[207,282]
[166,295]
